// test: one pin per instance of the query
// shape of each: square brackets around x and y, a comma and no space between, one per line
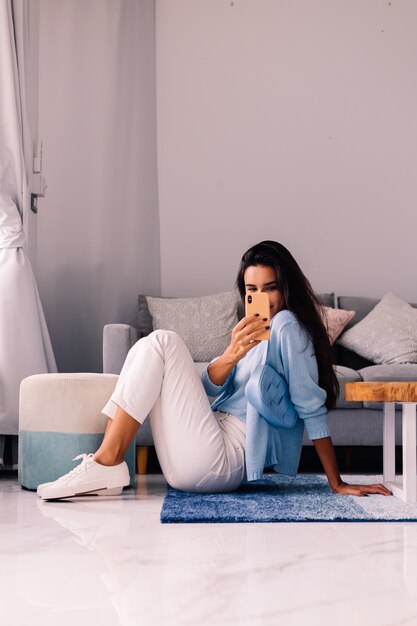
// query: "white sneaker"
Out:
[88,478]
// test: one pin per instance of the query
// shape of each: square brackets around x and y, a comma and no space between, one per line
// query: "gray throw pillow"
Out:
[388,334]
[204,323]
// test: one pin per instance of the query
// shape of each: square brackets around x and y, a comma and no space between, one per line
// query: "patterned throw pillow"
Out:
[205,324]
[335,320]
[388,334]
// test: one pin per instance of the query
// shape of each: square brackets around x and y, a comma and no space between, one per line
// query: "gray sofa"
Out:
[350,423]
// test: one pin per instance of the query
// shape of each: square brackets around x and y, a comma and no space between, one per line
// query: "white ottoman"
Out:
[59,418]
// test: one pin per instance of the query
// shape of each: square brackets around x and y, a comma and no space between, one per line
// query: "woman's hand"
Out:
[245,337]
[361,490]
[327,456]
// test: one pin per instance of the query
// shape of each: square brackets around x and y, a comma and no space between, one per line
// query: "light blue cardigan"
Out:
[291,353]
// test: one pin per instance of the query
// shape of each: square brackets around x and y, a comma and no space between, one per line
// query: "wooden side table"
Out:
[404,393]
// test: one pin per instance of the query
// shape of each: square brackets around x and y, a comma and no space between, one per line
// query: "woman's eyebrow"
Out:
[272,282]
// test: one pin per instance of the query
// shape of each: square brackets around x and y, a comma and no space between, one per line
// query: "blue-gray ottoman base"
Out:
[47,456]
[59,418]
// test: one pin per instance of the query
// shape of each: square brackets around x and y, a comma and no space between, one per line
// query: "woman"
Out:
[203,448]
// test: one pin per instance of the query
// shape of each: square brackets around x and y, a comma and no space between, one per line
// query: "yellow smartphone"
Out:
[258,302]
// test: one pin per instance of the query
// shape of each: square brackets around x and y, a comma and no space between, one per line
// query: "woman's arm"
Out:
[219,370]
[244,338]
[327,456]
[301,372]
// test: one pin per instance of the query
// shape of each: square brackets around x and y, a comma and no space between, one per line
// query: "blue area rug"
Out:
[276,498]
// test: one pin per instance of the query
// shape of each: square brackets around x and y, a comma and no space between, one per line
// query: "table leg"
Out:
[389,442]
[409,452]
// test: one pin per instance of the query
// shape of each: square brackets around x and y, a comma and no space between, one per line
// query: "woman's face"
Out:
[263,278]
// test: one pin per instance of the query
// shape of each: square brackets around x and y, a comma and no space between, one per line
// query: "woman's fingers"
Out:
[363,490]
[376,489]
[254,329]
[245,335]
[249,323]
[250,331]
[252,344]
[258,330]
[245,321]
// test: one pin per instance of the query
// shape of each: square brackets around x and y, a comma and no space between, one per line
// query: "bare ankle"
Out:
[107,459]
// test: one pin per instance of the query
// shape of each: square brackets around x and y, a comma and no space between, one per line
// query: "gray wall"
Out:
[275,119]
[289,120]
[98,233]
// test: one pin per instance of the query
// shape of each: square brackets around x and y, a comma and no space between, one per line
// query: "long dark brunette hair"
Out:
[299,298]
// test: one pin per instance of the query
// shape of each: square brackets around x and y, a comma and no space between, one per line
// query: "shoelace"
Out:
[82,467]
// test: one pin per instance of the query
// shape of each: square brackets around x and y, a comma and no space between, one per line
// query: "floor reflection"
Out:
[111,560]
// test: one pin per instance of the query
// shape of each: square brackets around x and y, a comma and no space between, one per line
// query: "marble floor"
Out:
[110,562]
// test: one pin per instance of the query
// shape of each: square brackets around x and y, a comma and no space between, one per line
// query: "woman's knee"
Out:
[165,337]
[162,337]
[169,334]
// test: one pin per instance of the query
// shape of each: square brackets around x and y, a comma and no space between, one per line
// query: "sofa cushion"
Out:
[388,334]
[360,304]
[201,366]
[346,375]
[145,318]
[335,321]
[363,306]
[388,373]
[205,323]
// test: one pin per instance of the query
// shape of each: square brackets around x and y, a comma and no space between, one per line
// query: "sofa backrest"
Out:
[341,355]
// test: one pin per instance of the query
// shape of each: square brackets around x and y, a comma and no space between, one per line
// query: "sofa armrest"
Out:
[117,341]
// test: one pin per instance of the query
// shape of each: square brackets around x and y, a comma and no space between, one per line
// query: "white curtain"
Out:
[25,347]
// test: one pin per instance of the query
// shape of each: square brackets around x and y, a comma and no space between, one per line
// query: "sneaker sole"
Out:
[105,491]
[115,491]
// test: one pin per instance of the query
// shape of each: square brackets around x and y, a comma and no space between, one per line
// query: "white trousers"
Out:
[199,450]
